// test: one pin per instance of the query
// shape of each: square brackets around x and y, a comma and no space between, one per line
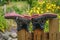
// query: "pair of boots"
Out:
[37,21]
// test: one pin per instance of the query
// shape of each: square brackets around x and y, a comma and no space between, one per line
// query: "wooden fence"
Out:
[38,34]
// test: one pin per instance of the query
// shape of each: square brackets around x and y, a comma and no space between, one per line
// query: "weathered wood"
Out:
[19,35]
[38,34]
[52,36]
[28,36]
[46,36]
[58,36]
[54,25]
[53,28]
[35,35]
[23,35]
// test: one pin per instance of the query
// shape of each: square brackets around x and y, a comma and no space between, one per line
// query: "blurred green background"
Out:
[28,7]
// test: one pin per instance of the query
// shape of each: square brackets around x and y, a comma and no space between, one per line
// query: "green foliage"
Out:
[3,2]
[17,10]
[43,7]
[1,13]
[19,7]
[14,8]
[13,0]
[46,27]
[31,2]
[3,23]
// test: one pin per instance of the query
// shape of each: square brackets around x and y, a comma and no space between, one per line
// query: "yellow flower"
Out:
[42,2]
[52,4]
[31,11]
[58,7]
[48,4]
[42,12]
[38,8]
[42,9]
[30,14]
[37,11]
[34,8]
[52,10]
[49,7]
[47,10]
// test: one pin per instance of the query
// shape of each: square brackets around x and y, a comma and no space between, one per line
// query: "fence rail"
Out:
[45,36]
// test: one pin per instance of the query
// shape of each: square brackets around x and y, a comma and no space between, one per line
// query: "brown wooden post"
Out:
[53,28]
[23,35]
[46,36]
[38,34]
[58,36]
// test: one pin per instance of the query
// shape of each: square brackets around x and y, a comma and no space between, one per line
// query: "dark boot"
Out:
[38,22]
[22,23]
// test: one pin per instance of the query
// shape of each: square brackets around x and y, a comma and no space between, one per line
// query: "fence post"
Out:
[58,36]
[46,36]
[53,28]
[23,35]
[38,34]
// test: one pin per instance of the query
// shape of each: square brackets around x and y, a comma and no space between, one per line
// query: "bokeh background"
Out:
[28,7]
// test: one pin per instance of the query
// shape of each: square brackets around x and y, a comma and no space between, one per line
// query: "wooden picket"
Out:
[38,34]
[46,36]
[58,36]
[24,35]
[53,28]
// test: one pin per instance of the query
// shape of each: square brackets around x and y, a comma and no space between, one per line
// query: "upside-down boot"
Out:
[22,28]
[38,27]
